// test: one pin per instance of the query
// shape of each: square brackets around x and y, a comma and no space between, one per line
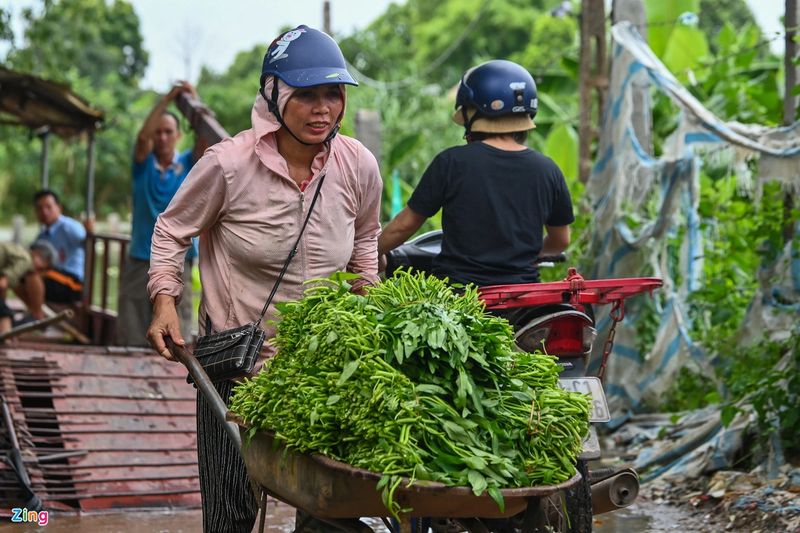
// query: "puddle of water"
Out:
[625,520]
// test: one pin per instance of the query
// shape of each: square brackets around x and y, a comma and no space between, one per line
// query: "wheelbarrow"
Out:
[339,494]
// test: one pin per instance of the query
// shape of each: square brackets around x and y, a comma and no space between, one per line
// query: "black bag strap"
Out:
[291,254]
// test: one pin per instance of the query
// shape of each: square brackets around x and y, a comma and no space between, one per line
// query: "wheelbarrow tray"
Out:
[330,489]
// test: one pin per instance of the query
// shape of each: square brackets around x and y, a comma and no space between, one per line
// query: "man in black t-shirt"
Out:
[497,196]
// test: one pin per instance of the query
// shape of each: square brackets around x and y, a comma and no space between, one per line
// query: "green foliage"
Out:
[6,31]
[662,16]
[713,17]
[95,38]
[740,234]
[562,147]
[96,47]
[773,393]
[551,38]
[690,391]
[686,47]
[739,85]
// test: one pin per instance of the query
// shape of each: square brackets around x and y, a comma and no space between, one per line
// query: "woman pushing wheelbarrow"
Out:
[288,186]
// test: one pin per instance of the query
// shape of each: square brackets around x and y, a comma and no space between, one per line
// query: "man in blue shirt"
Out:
[67,235]
[158,171]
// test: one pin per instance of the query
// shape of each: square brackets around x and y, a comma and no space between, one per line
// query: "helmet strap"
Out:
[272,105]
[468,123]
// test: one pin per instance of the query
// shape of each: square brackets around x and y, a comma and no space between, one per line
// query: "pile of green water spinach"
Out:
[415,380]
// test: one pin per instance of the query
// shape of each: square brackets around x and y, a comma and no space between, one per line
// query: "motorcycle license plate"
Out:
[589,385]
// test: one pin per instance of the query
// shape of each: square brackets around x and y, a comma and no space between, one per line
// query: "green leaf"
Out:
[382,483]
[344,276]
[713,397]
[402,148]
[571,66]
[349,369]
[548,101]
[497,496]
[562,147]
[660,17]
[795,90]
[475,463]
[332,337]
[727,36]
[333,399]
[313,343]
[456,432]
[686,47]
[728,414]
[433,389]
[477,481]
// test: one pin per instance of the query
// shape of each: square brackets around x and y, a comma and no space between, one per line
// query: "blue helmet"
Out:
[496,89]
[304,57]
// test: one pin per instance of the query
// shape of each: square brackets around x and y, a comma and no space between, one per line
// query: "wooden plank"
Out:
[202,119]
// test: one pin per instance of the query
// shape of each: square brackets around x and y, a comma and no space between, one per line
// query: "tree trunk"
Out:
[593,29]
[790,102]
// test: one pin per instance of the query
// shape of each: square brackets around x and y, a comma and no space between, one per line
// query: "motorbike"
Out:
[556,318]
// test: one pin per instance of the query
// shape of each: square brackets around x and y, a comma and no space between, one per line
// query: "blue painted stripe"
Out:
[701,137]
[627,352]
[600,166]
[616,390]
[645,158]
[621,252]
[632,70]
[669,353]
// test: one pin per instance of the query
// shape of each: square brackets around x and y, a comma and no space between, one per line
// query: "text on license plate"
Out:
[589,385]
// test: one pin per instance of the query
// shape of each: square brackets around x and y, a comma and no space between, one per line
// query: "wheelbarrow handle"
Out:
[207,389]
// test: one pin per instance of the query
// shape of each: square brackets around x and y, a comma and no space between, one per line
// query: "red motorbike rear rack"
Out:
[596,292]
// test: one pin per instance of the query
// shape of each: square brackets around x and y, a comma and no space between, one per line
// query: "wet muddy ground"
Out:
[642,517]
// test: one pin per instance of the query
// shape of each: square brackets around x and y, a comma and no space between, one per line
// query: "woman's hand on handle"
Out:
[165,323]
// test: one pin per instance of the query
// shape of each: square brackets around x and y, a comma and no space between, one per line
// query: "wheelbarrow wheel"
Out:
[578,503]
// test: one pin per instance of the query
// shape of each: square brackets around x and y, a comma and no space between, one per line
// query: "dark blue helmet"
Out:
[497,88]
[304,57]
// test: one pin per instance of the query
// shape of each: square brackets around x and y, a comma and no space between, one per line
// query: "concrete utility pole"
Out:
[634,11]
[593,28]
[326,18]
[792,77]
[368,130]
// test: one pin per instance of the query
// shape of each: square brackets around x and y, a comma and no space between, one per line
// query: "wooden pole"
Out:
[791,23]
[326,18]
[38,324]
[634,11]
[45,159]
[592,77]
[90,178]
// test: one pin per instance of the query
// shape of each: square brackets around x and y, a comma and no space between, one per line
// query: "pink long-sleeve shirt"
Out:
[248,212]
